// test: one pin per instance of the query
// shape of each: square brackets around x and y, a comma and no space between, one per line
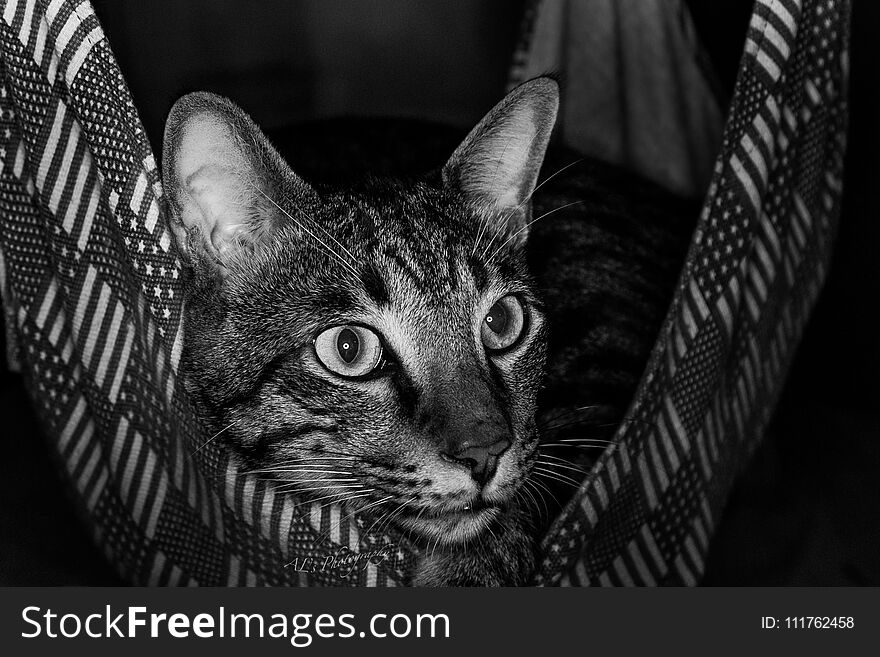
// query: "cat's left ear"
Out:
[224,181]
[496,167]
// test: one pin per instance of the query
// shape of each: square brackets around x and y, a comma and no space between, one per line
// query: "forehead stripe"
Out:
[407,269]
[479,272]
[374,284]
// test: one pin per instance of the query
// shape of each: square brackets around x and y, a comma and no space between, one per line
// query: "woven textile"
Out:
[91,288]
[757,262]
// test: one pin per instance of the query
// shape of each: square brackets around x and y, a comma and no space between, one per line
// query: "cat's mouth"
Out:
[451,525]
[469,509]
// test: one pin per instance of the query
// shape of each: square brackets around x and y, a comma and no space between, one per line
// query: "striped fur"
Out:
[274,261]
[420,259]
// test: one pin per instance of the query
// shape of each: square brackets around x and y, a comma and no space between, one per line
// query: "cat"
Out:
[384,342]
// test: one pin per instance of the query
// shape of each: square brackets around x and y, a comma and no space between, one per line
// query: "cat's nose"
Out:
[482,459]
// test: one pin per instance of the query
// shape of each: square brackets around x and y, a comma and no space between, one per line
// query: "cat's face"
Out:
[379,345]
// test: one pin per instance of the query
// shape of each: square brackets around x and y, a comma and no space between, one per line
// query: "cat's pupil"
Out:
[347,344]
[497,318]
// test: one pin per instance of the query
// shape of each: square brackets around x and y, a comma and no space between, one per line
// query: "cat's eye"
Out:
[503,324]
[349,350]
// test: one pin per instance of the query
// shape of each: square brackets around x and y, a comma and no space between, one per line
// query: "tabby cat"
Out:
[383,341]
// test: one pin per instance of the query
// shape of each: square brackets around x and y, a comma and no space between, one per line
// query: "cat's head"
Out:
[381,344]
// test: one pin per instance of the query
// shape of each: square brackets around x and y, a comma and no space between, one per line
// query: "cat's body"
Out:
[340,335]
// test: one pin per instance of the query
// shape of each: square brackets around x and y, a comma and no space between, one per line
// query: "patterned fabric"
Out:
[759,256]
[91,288]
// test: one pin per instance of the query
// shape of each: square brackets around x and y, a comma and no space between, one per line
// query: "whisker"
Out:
[315,237]
[408,532]
[549,178]
[397,512]
[567,441]
[311,452]
[531,501]
[546,488]
[595,441]
[383,515]
[526,227]
[489,529]
[566,466]
[299,459]
[527,489]
[557,476]
[362,509]
[573,411]
[582,425]
[522,203]
[316,224]
[231,424]
[329,456]
[386,518]
[323,536]
[348,498]
[304,469]
[484,220]
[294,489]
[572,446]
[297,481]
[587,424]
[343,494]
[555,458]
[436,545]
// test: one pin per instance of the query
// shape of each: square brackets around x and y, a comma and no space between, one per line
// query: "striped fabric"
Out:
[645,514]
[92,291]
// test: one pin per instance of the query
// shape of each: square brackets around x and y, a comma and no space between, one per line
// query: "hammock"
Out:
[92,294]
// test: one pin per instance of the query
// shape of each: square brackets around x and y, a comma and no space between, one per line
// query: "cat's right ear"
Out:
[224,181]
[496,167]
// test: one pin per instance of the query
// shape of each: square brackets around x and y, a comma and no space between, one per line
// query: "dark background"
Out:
[807,511]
